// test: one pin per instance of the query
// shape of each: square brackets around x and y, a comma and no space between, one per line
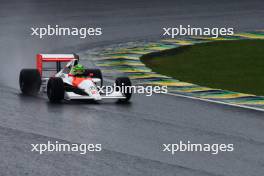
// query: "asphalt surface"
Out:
[132,134]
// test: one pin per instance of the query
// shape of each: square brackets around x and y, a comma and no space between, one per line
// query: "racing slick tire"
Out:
[55,90]
[95,73]
[29,81]
[124,83]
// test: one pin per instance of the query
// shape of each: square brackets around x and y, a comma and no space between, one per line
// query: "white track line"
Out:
[218,102]
[207,100]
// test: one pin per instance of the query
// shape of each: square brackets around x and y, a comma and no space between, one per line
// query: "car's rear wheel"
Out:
[29,81]
[124,83]
[95,73]
[55,90]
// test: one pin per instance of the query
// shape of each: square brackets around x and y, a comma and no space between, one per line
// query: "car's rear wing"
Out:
[56,58]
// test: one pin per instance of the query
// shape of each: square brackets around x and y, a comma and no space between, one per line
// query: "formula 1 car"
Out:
[63,85]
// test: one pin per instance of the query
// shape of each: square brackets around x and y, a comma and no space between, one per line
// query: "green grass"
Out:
[230,65]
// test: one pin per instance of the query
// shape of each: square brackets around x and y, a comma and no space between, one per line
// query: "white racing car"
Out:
[64,85]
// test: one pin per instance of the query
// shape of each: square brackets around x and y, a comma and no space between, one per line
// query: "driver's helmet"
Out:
[78,69]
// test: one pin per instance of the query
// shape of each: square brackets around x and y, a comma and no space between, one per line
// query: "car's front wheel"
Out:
[55,90]
[124,84]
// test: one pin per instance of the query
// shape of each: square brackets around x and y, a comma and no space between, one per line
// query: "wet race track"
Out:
[131,134]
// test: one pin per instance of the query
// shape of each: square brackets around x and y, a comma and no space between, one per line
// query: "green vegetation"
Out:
[230,65]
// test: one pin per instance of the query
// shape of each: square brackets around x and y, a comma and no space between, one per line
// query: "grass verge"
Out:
[230,65]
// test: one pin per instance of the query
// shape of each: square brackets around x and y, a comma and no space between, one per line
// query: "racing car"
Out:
[61,85]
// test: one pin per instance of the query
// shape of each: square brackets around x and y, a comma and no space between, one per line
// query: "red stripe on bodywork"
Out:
[77,80]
